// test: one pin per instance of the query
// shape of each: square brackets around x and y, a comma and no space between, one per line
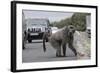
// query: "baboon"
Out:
[59,40]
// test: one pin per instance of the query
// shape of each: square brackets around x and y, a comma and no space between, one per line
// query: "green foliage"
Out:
[77,19]
[62,23]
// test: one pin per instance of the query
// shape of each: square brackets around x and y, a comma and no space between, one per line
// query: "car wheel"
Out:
[46,40]
[23,47]
[29,41]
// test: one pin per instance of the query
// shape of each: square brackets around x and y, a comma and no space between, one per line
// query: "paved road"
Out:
[34,53]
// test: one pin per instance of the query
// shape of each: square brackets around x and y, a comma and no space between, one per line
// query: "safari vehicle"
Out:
[36,27]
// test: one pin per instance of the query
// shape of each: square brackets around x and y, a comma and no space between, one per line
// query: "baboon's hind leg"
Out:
[57,46]
[58,52]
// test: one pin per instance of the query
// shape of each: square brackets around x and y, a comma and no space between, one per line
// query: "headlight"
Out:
[46,29]
[28,30]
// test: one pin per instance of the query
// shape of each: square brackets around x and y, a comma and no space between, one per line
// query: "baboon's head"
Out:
[71,30]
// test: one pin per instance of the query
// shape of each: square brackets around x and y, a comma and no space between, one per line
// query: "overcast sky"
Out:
[51,15]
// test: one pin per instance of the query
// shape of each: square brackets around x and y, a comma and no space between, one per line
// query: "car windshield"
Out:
[38,25]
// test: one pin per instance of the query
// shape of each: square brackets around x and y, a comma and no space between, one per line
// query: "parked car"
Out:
[88,32]
[36,28]
[88,25]
[54,29]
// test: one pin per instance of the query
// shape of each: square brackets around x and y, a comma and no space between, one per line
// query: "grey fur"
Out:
[59,40]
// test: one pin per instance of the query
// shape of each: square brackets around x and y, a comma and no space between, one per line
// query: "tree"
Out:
[62,23]
[79,21]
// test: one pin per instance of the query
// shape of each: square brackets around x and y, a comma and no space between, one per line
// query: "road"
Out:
[34,53]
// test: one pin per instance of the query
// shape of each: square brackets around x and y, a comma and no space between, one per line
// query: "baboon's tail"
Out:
[44,40]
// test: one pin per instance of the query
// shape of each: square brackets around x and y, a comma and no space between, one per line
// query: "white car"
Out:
[36,28]
[54,29]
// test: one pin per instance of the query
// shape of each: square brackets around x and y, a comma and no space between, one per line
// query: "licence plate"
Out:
[34,34]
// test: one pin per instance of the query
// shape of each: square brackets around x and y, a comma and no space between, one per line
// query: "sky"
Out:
[51,15]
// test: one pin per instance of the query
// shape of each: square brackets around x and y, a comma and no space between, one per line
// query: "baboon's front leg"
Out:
[72,48]
[64,49]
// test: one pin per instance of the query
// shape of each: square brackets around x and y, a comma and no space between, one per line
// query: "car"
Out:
[54,29]
[36,28]
[88,30]
[88,25]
